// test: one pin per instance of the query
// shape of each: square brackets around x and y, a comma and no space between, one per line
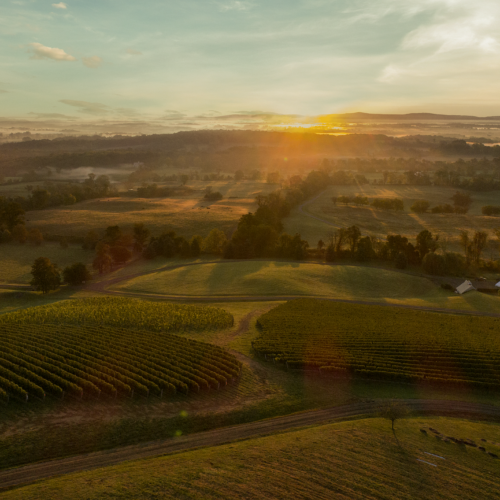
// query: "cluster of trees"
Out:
[461,205]
[56,194]
[348,243]
[211,195]
[491,210]
[47,277]
[388,204]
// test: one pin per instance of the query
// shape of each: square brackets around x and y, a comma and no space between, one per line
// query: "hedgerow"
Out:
[382,343]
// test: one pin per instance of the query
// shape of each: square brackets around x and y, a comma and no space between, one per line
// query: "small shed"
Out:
[498,285]
[465,287]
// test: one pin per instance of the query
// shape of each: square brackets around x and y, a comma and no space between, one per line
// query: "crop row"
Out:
[121,312]
[90,361]
[382,343]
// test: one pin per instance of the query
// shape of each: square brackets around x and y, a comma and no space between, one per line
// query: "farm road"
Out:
[40,471]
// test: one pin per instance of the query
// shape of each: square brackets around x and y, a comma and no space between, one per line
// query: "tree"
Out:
[120,254]
[39,198]
[12,214]
[273,177]
[462,202]
[353,234]
[330,253]
[401,261]
[478,244]
[420,206]
[112,234]
[239,175]
[141,234]
[20,233]
[35,237]
[364,251]
[76,274]
[103,260]
[426,243]
[434,264]
[184,179]
[195,247]
[394,410]
[215,242]
[46,276]
[91,240]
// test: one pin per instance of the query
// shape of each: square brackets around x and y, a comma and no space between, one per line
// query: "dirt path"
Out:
[40,471]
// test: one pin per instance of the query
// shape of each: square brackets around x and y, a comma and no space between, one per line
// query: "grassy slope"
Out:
[16,260]
[383,222]
[293,278]
[187,216]
[357,459]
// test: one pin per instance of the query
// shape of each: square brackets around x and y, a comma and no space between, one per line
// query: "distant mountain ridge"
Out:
[411,116]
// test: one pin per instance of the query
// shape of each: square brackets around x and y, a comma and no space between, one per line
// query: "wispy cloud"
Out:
[134,52]
[60,5]
[40,51]
[90,108]
[92,62]
[234,5]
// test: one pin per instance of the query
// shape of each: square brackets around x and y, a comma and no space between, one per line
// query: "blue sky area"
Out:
[193,63]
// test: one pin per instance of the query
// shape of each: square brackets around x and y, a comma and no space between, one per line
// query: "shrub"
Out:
[215,196]
[490,210]
[443,209]
[420,206]
[388,203]
[76,274]
[447,286]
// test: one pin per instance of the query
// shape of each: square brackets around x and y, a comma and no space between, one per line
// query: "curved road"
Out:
[44,470]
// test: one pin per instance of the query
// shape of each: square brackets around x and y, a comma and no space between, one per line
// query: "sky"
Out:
[122,66]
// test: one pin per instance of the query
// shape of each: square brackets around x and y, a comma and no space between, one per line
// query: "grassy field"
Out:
[356,459]
[187,215]
[261,278]
[380,223]
[16,260]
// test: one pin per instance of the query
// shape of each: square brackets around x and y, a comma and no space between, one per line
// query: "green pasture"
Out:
[354,459]
[274,278]
[380,223]
[16,260]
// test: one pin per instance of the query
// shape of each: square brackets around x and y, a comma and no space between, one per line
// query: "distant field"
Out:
[187,216]
[380,223]
[16,260]
[379,343]
[350,460]
[293,278]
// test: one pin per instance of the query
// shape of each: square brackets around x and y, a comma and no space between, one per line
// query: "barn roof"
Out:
[465,287]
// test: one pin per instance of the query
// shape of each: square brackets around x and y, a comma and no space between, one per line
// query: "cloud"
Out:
[60,5]
[4,91]
[39,51]
[91,108]
[52,115]
[134,52]
[234,5]
[92,62]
